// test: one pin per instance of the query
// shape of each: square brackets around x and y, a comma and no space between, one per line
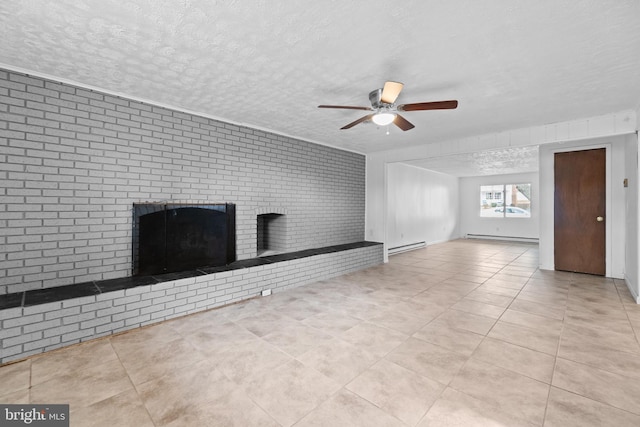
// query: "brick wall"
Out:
[73,161]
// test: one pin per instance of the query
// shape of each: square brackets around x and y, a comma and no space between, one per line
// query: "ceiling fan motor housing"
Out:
[375,97]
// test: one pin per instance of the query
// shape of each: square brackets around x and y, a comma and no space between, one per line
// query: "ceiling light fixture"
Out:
[383,119]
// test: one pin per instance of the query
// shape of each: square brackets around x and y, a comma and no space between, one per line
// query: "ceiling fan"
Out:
[385,111]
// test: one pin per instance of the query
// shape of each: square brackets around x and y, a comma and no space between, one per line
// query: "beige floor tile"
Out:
[457,319]
[571,410]
[213,339]
[545,342]
[84,387]
[603,321]
[348,409]
[124,409]
[171,396]
[290,391]
[551,311]
[300,309]
[467,276]
[156,361]
[536,284]
[497,289]
[623,340]
[521,360]
[151,336]
[388,333]
[373,339]
[248,308]
[606,387]
[296,338]
[15,377]
[438,297]
[16,397]
[247,359]
[397,390]
[507,281]
[229,408]
[67,359]
[455,409]
[521,396]
[455,286]
[427,359]
[383,297]
[546,298]
[457,340]
[332,322]
[399,321]
[406,289]
[479,308]
[532,321]
[263,323]
[423,310]
[357,308]
[192,323]
[338,360]
[580,348]
[489,298]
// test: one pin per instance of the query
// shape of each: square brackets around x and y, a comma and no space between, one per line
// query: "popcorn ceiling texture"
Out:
[268,64]
[73,161]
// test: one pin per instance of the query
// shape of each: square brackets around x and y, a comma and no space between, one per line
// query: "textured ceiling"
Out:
[489,162]
[268,64]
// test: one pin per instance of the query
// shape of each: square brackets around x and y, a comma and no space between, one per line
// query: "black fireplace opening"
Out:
[170,238]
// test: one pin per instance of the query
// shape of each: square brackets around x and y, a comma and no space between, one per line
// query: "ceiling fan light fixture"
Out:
[383,119]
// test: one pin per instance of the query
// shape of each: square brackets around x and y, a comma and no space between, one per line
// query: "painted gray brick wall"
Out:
[73,161]
[32,330]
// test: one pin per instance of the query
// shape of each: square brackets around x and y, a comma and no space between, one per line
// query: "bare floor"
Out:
[463,333]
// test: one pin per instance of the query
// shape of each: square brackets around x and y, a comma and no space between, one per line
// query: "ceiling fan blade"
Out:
[402,123]
[345,107]
[438,105]
[360,120]
[390,92]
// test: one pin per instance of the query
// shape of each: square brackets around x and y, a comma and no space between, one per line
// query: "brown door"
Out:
[579,208]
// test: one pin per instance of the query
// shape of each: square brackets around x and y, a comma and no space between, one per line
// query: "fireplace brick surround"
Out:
[73,161]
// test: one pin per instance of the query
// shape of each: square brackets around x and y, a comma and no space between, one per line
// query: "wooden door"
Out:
[579,211]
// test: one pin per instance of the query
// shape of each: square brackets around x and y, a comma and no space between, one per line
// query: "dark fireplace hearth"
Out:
[178,237]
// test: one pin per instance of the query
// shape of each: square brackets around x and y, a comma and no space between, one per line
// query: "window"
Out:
[505,201]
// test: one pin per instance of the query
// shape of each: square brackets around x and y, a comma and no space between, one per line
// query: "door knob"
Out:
[600,219]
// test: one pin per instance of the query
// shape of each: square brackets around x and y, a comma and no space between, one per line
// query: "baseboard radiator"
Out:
[404,248]
[507,238]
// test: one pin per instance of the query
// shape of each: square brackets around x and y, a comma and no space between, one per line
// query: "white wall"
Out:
[613,125]
[616,123]
[472,223]
[631,271]
[616,200]
[422,205]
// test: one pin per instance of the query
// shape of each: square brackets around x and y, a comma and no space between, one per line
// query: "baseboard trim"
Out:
[405,248]
[508,238]
[635,296]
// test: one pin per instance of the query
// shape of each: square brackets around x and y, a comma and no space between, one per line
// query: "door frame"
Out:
[608,196]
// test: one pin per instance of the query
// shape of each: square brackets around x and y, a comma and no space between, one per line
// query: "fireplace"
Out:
[169,237]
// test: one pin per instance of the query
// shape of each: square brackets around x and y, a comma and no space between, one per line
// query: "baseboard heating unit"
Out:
[507,238]
[409,247]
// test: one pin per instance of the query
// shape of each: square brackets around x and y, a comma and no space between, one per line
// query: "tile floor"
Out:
[458,334]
